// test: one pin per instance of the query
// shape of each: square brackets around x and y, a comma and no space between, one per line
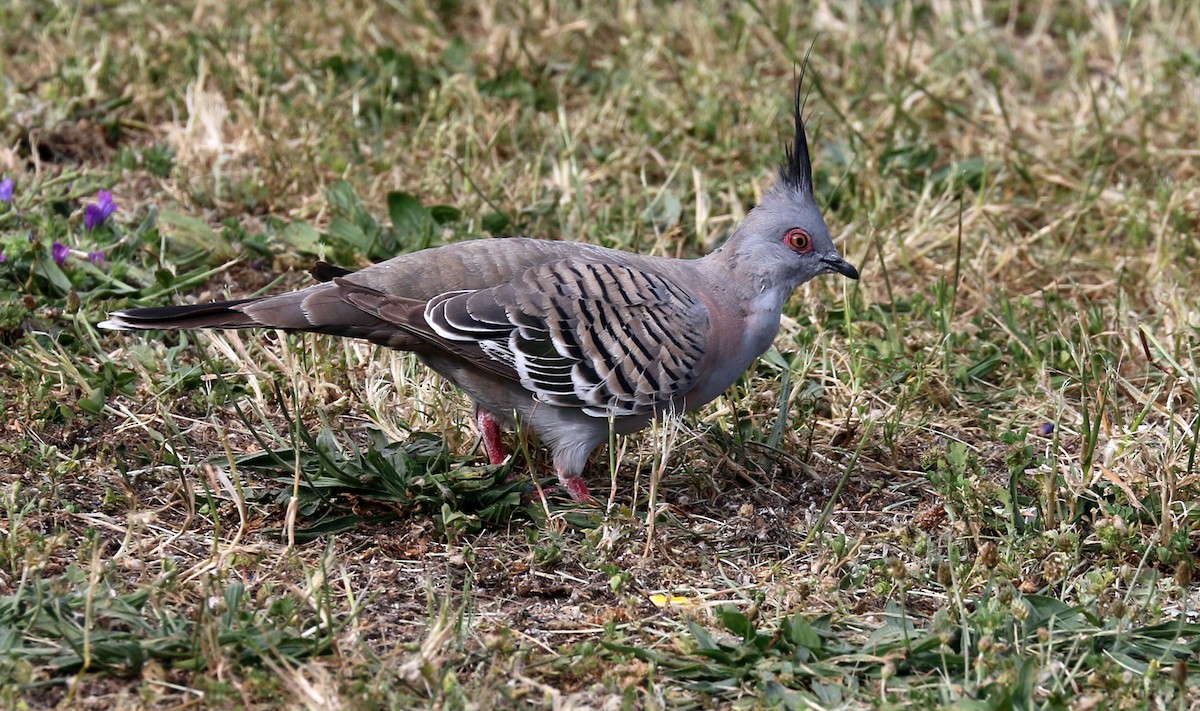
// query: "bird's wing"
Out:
[607,338]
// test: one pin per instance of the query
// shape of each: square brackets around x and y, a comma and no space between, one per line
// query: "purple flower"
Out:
[1046,429]
[59,251]
[2,258]
[96,257]
[6,190]
[96,213]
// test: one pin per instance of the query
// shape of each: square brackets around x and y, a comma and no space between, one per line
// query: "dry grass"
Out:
[1018,181]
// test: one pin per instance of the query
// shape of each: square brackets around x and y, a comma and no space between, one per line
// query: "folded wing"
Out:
[607,338]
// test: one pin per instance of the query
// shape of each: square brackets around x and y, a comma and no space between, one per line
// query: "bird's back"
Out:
[473,264]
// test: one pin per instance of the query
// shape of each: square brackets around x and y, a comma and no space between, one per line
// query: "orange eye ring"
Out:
[798,240]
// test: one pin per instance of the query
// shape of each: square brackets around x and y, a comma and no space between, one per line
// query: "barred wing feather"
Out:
[610,339]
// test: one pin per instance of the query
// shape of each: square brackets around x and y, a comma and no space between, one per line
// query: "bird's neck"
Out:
[744,280]
[745,313]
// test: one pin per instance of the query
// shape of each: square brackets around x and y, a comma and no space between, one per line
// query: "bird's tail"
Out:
[321,308]
[317,308]
[218,314]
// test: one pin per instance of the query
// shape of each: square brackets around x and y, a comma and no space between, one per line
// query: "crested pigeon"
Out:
[568,339]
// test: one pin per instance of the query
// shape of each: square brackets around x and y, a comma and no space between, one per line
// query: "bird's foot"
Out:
[575,487]
[489,430]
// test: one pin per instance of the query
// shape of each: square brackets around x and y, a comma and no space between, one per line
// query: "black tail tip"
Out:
[218,314]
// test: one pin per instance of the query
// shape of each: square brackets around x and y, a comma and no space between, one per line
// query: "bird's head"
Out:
[786,234]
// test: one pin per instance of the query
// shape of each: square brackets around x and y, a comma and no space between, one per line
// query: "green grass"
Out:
[967,480]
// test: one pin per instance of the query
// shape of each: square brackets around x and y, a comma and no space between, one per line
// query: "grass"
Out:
[967,480]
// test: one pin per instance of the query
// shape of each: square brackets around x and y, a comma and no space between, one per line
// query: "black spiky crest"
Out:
[796,170]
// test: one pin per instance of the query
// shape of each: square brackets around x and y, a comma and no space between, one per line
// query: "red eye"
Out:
[798,240]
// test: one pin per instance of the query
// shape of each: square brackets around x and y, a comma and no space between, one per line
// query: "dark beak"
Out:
[839,265]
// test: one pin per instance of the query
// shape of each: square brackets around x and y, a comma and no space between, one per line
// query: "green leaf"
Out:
[53,273]
[496,222]
[418,472]
[93,403]
[348,234]
[341,196]
[188,232]
[1048,611]
[703,638]
[412,223]
[337,524]
[442,214]
[302,237]
[802,634]
[736,622]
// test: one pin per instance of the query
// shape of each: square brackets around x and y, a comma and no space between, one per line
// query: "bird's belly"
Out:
[508,401]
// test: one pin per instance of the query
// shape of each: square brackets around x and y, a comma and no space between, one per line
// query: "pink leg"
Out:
[489,430]
[575,486]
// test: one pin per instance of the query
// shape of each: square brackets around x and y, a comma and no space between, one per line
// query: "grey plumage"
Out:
[570,339]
